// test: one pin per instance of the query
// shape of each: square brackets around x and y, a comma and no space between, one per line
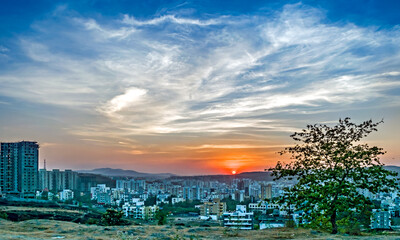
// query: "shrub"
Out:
[92,221]
[161,217]
[3,215]
[290,223]
[112,217]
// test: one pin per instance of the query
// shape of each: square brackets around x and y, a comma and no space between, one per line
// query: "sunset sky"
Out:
[193,87]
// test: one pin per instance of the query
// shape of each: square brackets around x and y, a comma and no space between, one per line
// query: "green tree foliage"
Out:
[332,166]
[150,201]
[161,217]
[182,207]
[112,217]
[86,198]
[45,195]
[230,204]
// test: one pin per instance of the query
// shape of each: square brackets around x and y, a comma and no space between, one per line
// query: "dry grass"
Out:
[50,229]
[18,208]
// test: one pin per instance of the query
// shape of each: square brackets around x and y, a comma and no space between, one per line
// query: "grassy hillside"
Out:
[51,229]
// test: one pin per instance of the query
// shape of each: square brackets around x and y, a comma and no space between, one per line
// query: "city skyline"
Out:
[193,88]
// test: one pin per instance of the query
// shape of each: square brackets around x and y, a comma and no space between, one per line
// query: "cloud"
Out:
[129,98]
[208,78]
[3,49]
[236,146]
[92,25]
[169,18]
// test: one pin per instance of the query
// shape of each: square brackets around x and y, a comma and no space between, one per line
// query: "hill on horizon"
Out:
[117,172]
[257,175]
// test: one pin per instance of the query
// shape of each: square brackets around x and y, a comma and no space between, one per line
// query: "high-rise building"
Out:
[71,179]
[44,183]
[57,180]
[187,193]
[266,191]
[19,168]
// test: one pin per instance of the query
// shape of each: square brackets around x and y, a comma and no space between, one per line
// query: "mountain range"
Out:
[259,176]
[112,172]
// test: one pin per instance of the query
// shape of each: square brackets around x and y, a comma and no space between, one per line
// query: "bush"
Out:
[3,215]
[112,217]
[229,232]
[161,217]
[290,223]
[349,225]
[92,221]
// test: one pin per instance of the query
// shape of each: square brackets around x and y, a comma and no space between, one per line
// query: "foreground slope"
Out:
[51,229]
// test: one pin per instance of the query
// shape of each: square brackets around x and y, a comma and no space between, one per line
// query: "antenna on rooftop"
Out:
[44,163]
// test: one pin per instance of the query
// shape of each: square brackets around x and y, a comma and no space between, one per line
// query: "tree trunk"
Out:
[333,222]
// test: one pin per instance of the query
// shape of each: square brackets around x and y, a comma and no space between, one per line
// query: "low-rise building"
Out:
[271,221]
[104,198]
[239,219]
[258,207]
[95,191]
[140,211]
[66,195]
[216,207]
[177,200]
[283,209]
[380,219]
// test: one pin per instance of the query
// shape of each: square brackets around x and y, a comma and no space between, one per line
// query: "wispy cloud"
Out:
[171,19]
[204,78]
[131,97]
[3,49]
[120,33]
[235,146]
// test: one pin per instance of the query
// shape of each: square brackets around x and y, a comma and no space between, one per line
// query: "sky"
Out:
[193,87]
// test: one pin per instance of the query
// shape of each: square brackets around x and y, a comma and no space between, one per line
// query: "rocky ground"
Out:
[53,229]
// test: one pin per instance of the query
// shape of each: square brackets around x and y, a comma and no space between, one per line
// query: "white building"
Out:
[261,206]
[177,200]
[140,211]
[95,191]
[66,194]
[239,219]
[283,208]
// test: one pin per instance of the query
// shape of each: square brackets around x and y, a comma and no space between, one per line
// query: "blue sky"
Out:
[207,86]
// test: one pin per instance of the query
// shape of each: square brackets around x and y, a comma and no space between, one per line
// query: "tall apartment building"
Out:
[132,185]
[19,167]
[266,191]
[57,180]
[43,179]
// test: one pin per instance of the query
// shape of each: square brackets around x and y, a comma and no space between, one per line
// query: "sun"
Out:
[233,172]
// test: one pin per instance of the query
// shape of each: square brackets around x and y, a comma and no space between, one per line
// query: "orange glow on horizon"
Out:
[233,161]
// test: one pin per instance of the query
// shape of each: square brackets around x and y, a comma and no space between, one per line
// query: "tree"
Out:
[150,201]
[112,217]
[161,217]
[332,167]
